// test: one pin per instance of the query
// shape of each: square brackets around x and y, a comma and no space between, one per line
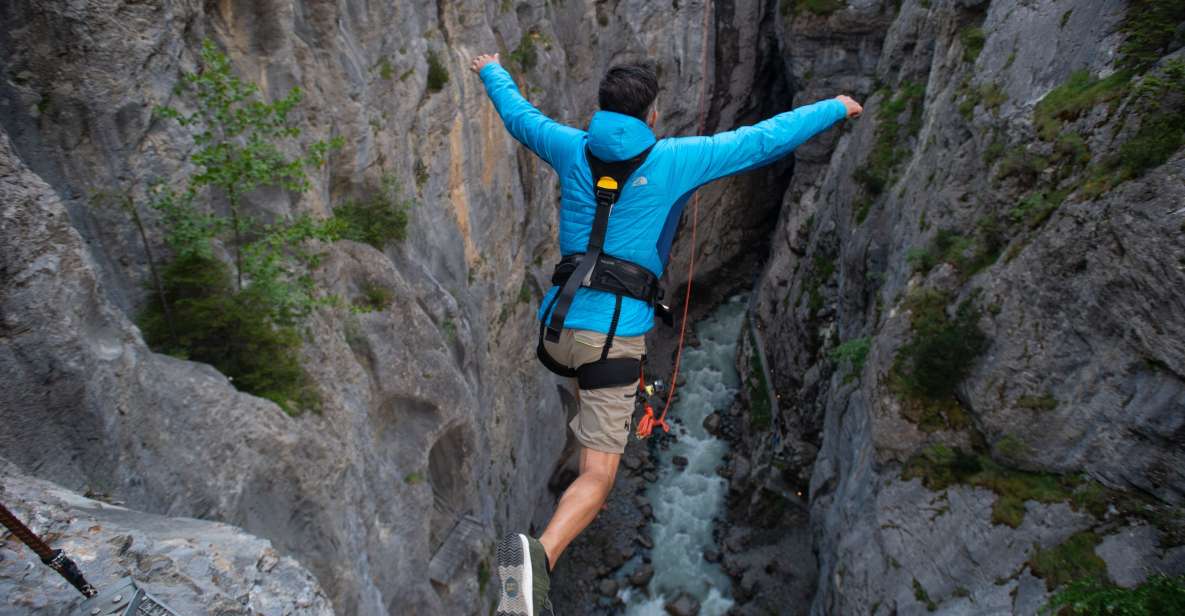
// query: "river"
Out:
[686,502]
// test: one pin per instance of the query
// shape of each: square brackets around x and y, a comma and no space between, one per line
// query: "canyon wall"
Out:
[435,417]
[995,209]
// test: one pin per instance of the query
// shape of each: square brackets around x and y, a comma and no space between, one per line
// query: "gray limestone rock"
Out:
[192,566]
[683,605]
[433,407]
[1083,374]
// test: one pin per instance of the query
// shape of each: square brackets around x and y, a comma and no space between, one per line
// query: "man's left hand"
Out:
[481,61]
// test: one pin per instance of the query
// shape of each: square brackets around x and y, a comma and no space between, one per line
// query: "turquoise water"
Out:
[686,502]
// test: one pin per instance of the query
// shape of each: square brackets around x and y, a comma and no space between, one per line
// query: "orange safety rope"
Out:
[648,422]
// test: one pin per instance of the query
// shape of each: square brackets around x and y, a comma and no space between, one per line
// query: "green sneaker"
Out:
[522,570]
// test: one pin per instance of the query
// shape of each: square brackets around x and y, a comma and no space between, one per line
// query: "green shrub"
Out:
[824,268]
[1072,560]
[1071,148]
[863,204]
[969,255]
[972,39]
[483,577]
[374,298]
[1159,594]
[1036,208]
[820,7]
[940,467]
[229,330]
[854,351]
[1025,167]
[241,321]
[526,55]
[1159,137]
[1011,447]
[437,72]
[993,96]
[386,71]
[1079,94]
[922,596]
[377,219]
[760,408]
[920,259]
[942,350]
[971,97]
[876,175]
[1044,402]
[1150,27]
[994,150]
[1159,103]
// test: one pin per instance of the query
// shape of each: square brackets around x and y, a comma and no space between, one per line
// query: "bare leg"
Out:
[581,501]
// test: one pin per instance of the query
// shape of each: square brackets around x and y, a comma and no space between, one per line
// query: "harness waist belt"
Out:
[612,275]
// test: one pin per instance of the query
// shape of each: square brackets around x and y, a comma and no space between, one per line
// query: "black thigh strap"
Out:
[609,372]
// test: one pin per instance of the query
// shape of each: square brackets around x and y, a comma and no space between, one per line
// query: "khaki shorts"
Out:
[602,422]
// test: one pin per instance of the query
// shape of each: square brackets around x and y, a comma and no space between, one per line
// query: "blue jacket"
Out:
[646,214]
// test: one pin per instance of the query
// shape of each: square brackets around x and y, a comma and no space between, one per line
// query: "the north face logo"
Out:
[641,181]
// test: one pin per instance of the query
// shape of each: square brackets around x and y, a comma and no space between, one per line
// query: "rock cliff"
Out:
[972,303]
[434,410]
[192,566]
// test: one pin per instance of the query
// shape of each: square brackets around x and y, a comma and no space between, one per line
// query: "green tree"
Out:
[239,137]
[245,328]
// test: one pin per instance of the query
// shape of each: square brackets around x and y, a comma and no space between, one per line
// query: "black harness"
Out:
[593,269]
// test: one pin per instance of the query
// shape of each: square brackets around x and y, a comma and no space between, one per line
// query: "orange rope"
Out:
[648,422]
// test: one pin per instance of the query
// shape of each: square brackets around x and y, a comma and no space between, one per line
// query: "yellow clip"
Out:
[607,183]
[649,390]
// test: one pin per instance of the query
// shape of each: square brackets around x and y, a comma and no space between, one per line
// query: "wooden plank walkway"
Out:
[458,549]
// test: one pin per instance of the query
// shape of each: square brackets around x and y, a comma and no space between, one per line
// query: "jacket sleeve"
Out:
[550,140]
[703,159]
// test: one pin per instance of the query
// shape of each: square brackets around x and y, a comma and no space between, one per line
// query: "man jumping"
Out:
[605,288]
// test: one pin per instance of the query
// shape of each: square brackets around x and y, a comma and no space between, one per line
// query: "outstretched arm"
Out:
[749,147]
[550,140]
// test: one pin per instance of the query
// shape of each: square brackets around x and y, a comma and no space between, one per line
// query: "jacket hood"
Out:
[616,136]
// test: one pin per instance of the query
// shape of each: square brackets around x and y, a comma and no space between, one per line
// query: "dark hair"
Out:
[628,89]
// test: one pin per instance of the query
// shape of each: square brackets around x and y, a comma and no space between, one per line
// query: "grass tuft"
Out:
[1150,27]
[1159,594]
[940,467]
[760,408]
[378,219]
[877,174]
[1072,560]
[854,352]
[972,39]
[1044,402]
[819,7]
[1079,94]
[943,349]
[437,72]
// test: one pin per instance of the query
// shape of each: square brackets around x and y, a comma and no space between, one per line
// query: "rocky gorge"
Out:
[964,366]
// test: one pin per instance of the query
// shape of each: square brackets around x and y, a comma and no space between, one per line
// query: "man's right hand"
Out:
[854,108]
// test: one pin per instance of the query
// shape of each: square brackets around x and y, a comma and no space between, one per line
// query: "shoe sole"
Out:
[514,575]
